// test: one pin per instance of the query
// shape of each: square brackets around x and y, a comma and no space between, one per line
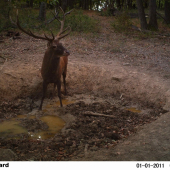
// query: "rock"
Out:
[126,64]
[116,79]
[7,155]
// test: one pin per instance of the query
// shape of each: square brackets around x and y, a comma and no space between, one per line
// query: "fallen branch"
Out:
[150,32]
[89,113]
[162,17]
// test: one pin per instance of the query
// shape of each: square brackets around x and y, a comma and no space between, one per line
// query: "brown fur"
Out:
[54,65]
[56,56]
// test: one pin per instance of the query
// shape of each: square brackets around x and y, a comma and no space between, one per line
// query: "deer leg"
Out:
[43,96]
[54,90]
[59,92]
[64,81]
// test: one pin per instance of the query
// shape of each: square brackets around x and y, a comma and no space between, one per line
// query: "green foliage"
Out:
[81,23]
[106,12]
[76,20]
[5,9]
[122,22]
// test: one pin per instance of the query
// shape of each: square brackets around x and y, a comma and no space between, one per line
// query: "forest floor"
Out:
[117,106]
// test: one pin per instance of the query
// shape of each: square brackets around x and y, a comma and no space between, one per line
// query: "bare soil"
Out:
[108,73]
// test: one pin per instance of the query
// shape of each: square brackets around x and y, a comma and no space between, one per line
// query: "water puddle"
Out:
[65,102]
[133,109]
[12,127]
[54,123]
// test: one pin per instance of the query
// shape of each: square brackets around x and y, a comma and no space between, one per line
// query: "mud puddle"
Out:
[51,105]
[98,123]
[134,110]
[43,128]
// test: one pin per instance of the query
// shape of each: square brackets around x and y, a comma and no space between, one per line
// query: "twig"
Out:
[89,113]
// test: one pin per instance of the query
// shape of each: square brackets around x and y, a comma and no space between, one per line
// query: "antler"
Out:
[59,35]
[30,33]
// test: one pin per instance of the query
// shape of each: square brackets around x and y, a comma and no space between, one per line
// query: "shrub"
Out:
[5,8]
[81,23]
[122,22]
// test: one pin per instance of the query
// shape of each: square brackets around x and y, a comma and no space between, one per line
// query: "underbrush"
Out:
[130,26]
[29,19]
[122,22]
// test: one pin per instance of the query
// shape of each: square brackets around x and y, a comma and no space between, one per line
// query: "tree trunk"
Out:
[167,11]
[31,3]
[152,15]
[118,4]
[91,5]
[64,5]
[129,4]
[146,3]
[159,4]
[42,12]
[141,14]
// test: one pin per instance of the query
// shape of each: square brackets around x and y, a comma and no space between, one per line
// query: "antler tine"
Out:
[68,12]
[55,16]
[64,30]
[29,32]
[52,35]
[62,11]
[56,12]
[59,36]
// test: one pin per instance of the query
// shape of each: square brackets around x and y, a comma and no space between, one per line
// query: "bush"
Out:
[122,22]
[81,23]
[5,9]
[106,12]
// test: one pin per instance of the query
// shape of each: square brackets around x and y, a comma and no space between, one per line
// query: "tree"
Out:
[118,4]
[42,12]
[152,15]
[167,11]
[141,14]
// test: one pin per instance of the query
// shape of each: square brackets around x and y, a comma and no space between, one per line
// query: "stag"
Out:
[55,59]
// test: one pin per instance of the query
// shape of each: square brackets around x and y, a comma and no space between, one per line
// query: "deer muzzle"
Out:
[66,53]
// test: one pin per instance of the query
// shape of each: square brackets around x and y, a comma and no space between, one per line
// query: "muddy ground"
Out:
[118,98]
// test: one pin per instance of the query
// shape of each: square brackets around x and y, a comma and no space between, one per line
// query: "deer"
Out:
[54,64]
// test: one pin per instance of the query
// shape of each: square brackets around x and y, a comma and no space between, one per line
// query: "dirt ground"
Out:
[118,98]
